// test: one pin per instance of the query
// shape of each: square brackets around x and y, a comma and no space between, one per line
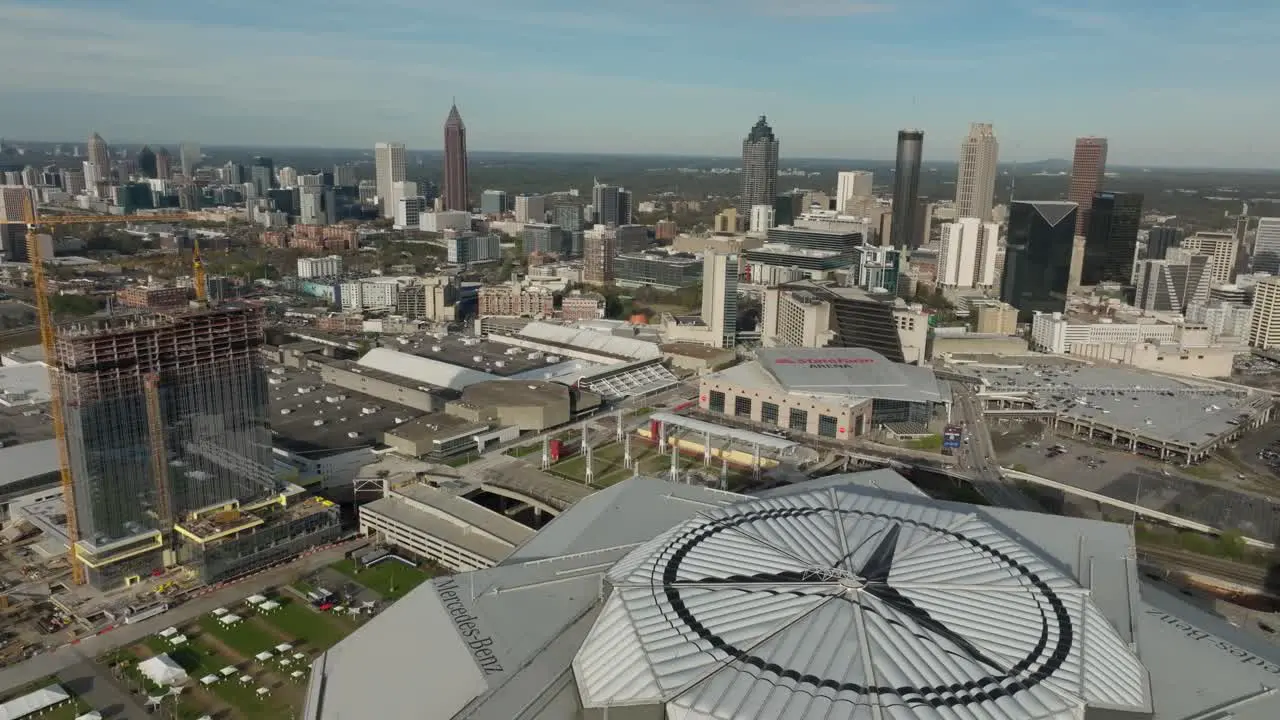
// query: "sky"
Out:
[1189,85]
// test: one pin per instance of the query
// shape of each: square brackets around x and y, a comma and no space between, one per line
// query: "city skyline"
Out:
[119,61]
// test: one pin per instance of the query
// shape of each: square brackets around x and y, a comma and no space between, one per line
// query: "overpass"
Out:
[534,488]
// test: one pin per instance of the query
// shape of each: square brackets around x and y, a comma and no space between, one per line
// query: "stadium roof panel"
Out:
[847,371]
[423,370]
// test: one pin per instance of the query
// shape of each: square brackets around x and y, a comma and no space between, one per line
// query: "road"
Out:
[94,684]
[978,457]
[64,658]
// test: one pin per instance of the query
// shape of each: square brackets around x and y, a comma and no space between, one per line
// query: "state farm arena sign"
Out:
[825,363]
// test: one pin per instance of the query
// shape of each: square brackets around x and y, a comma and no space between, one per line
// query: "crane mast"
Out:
[48,337]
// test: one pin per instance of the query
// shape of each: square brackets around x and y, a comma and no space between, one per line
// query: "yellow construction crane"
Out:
[159,456]
[44,315]
[202,290]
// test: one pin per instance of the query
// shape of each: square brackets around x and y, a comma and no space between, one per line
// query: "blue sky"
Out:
[1191,83]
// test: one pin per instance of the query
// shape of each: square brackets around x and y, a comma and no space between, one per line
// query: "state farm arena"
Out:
[836,393]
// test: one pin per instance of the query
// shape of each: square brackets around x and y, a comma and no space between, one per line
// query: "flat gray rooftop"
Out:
[339,411]
[556,492]
[467,513]
[1175,411]
[495,358]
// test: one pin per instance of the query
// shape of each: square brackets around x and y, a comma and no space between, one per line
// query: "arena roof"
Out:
[840,371]
[423,370]
[589,340]
[841,599]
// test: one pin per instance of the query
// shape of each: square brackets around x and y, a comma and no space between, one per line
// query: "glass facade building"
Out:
[1112,241]
[1037,265]
[657,270]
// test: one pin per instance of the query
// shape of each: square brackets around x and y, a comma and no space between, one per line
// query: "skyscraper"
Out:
[147,162]
[1111,242]
[1266,246]
[388,169]
[759,169]
[606,200]
[344,175]
[1161,239]
[100,154]
[976,183]
[851,184]
[164,164]
[904,225]
[456,187]
[1088,165]
[1037,264]
[968,254]
[720,296]
[189,155]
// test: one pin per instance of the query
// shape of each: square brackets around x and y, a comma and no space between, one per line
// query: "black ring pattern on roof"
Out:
[1001,683]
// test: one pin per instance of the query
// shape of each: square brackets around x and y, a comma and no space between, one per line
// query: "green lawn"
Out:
[390,578]
[199,658]
[308,626]
[608,469]
[244,637]
[70,711]
[525,450]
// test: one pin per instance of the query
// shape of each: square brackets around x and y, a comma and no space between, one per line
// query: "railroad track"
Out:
[1212,567]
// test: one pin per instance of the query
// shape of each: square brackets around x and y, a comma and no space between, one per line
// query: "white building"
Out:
[438,222]
[409,212]
[330,266]
[1266,246]
[287,177]
[531,208]
[1264,328]
[976,183]
[317,206]
[388,160]
[1055,333]
[968,255]
[1224,320]
[1221,248]
[468,248]
[369,294]
[761,218]
[852,184]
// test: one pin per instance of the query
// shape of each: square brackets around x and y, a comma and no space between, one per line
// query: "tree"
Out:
[77,305]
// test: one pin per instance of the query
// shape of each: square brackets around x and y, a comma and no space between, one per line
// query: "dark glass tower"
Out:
[455,163]
[1037,264]
[147,162]
[1113,238]
[904,229]
[1160,239]
[759,169]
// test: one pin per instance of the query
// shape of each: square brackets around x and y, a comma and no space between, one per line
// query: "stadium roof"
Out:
[855,372]
[423,370]
[589,340]
[834,599]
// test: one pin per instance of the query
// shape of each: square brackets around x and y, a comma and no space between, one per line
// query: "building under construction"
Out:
[170,447]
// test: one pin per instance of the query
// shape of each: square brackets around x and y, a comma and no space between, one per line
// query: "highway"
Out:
[977,457]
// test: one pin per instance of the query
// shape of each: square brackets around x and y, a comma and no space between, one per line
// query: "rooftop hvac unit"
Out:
[368,410]
[553,358]
[499,363]
[512,351]
[285,411]
[435,348]
[477,358]
[353,434]
[535,355]
[399,420]
[317,423]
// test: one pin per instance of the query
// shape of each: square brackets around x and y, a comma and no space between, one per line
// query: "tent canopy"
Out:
[163,670]
[33,702]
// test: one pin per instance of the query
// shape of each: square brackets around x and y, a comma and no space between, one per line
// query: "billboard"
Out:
[951,437]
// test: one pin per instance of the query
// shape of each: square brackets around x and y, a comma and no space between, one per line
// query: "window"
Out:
[826,426]
[799,420]
[742,406]
[768,413]
[717,401]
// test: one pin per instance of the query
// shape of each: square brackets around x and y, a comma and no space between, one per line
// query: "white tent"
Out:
[256,599]
[246,679]
[229,619]
[162,670]
[263,656]
[178,640]
[168,632]
[219,612]
[227,671]
[91,715]
[296,674]
[269,605]
[33,702]
[283,648]
[209,679]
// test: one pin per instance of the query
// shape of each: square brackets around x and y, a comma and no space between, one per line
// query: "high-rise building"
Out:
[720,296]
[211,399]
[344,175]
[287,176]
[976,183]
[455,163]
[1160,239]
[530,208]
[967,258]
[469,248]
[164,164]
[93,180]
[904,228]
[189,155]
[493,202]
[100,155]
[13,242]
[606,200]
[1266,246]
[233,173]
[761,218]
[388,164]
[263,174]
[1088,165]
[317,206]
[1037,265]
[146,161]
[759,169]
[852,185]
[1171,285]
[1221,248]
[1264,327]
[600,247]
[1111,243]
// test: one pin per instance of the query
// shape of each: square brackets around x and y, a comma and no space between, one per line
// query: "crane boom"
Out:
[197,274]
[44,315]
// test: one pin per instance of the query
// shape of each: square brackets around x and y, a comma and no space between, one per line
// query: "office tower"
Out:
[1266,246]
[493,202]
[100,155]
[190,197]
[904,229]
[314,180]
[531,208]
[1088,165]
[632,238]
[262,174]
[599,248]
[787,207]
[401,190]
[456,185]
[1160,239]
[344,175]
[624,207]
[720,296]
[318,206]
[968,255]
[13,243]
[409,210]
[93,181]
[1111,242]
[189,155]
[73,180]
[287,177]
[976,182]
[851,185]
[759,169]
[1037,265]
[1264,327]
[388,169]
[212,406]
[761,218]
[233,173]
[470,248]
[1170,286]
[146,161]
[164,164]
[605,200]
[569,217]
[1221,247]
[542,238]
